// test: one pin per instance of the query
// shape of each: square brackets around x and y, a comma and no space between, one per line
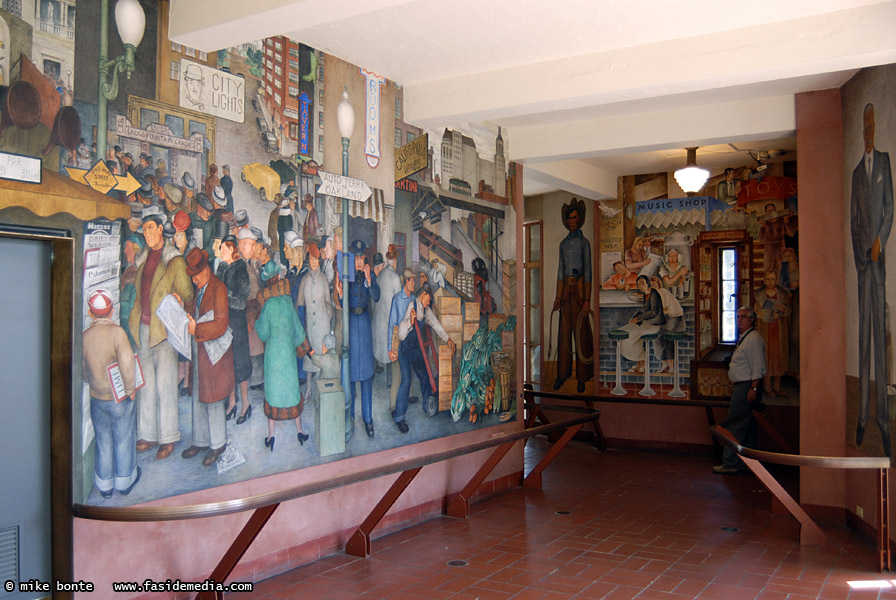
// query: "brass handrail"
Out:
[225,507]
[801,460]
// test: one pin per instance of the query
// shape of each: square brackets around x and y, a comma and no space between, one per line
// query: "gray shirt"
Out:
[575,257]
[748,360]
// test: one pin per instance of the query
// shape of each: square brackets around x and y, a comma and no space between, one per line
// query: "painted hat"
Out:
[145,188]
[242,217]
[174,193]
[181,221]
[197,260]
[314,251]
[246,234]
[269,270]
[229,238]
[220,196]
[204,202]
[137,240]
[297,242]
[258,233]
[378,259]
[188,181]
[168,230]
[100,303]
[221,230]
[358,247]
[289,236]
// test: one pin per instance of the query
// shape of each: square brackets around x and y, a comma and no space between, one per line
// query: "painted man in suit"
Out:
[871,218]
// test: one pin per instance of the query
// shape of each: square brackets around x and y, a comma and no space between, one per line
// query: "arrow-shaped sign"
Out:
[343,187]
[102,180]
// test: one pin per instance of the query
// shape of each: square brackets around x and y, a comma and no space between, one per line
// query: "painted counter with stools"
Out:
[615,377]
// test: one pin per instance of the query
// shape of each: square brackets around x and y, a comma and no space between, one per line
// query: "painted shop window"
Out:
[411,136]
[175,70]
[148,117]
[175,124]
[198,127]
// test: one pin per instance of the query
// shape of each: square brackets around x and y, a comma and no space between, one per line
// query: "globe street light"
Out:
[131,22]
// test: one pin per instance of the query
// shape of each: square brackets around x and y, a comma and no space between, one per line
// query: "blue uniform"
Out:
[360,335]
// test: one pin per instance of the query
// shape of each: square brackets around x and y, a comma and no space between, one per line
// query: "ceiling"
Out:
[586,90]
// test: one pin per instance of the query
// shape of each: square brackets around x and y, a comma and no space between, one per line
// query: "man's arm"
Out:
[887,205]
[404,328]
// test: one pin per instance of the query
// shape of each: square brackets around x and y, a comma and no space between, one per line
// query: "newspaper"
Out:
[217,347]
[115,378]
[175,320]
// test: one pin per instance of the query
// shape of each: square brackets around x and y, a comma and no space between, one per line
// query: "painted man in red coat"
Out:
[208,322]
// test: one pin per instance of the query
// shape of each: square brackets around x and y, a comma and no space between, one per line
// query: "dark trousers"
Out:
[410,361]
[744,429]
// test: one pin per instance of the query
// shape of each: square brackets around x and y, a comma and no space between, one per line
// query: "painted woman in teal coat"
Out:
[279,327]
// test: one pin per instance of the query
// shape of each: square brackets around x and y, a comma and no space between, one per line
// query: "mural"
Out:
[213,346]
[869,128]
[673,271]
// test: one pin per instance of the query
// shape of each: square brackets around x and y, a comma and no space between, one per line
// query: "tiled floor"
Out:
[639,525]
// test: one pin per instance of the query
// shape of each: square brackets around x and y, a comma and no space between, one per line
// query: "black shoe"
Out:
[303,437]
[127,491]
[106,494]
[368,427]
[860,434]
[260,386]
[402,426]
[377,369]
[413,400]
[244,417]
[581,387]
[232,413]
[558,383]
[269,443]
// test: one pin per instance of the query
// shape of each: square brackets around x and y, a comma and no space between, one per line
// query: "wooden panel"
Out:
[449,305]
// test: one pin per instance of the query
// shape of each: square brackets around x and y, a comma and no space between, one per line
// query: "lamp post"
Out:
[130,21]
[345,117]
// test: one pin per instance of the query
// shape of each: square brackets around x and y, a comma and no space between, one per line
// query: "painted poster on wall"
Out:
[247,320]
[869,132]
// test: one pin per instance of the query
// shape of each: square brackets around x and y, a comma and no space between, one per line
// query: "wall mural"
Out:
[869,128]
[213,348]
[668,289]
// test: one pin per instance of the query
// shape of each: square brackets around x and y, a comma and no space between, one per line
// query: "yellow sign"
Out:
[412,157]
[102,180]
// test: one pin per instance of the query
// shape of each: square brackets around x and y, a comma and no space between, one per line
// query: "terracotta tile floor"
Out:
[640,525]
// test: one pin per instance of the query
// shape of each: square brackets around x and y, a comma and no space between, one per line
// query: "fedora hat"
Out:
[197,260]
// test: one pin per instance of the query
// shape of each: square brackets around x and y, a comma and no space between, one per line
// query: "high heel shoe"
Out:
[231,413]
[245,417]
[269,442]
[303,437]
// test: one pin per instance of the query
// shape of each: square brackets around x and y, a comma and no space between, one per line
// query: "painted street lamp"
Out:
[345,118]
[131,22]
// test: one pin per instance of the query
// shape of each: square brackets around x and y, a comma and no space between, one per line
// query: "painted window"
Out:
[728,295]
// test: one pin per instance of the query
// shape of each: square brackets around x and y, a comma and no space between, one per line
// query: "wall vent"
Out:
[9,557]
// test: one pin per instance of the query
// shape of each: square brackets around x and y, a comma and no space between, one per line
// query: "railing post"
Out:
[460,506]
[533,479]
[883,519]
[359,543]
[239,547]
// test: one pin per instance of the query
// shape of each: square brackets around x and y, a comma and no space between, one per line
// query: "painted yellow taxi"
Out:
[262,177]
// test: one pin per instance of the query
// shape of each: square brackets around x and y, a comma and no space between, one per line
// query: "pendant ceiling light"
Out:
[691,178]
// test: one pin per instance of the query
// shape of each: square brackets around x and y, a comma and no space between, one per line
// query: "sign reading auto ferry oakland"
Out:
[211,91]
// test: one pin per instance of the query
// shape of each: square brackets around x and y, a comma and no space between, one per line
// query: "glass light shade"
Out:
[131,21]
[345,116]
[691,178]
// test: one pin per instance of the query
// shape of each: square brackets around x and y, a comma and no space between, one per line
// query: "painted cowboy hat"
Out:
[577,205]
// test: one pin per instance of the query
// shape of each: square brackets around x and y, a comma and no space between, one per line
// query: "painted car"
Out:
[262,177]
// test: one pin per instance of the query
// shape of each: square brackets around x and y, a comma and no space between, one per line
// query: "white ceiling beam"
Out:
[835,41]
[761,118]
[210,25]
[575,177]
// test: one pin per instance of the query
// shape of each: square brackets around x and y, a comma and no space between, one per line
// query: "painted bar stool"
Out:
[618,335]
[647,390]
[676,336]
